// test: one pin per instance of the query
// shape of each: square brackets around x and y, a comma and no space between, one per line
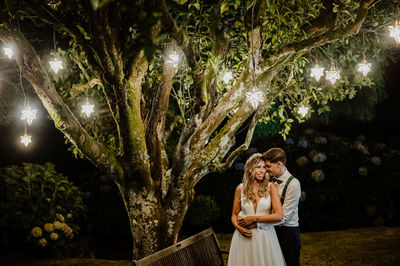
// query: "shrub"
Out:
[39,204]
[202,211]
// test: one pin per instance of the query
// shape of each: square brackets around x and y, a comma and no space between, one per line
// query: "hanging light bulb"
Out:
[332,74]
[317,72]
[8,51]
[394,31]
[364,67]
[87,108]
[255,97]
[26,139]
[173,59]
[29,115]
[54,4]
[227,76]
[56,65]
[303,110]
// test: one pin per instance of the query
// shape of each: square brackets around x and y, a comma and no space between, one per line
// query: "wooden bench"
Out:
[200,249]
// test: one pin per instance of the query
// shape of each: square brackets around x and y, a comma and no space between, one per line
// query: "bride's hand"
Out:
[245,221]
[244,232]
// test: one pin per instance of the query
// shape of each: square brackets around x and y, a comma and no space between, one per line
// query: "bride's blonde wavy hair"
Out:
[248,178]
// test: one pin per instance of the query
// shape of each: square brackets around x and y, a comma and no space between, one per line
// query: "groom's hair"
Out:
[275,155]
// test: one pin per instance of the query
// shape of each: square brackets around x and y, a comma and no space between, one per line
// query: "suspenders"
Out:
[285,188]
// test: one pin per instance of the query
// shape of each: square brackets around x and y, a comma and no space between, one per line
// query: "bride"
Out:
[254,241]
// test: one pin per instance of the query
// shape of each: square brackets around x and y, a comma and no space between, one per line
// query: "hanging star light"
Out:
[395,31]
[29,115]
[303,110]
[173,59]
[87,108]
[364,67]
[54,4]
[56,65]
[26,139]
[227,76]
[8,52]
[332,74]
[317,72]
[255,97]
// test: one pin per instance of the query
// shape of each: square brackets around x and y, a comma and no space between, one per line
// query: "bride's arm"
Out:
[235,211]
[274,217]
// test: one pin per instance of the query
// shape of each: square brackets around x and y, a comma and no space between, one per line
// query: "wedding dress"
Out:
[263,246]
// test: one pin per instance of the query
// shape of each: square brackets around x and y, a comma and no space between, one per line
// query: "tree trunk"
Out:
[152,225]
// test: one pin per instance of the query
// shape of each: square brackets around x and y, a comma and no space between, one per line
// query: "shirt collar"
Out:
[285,176]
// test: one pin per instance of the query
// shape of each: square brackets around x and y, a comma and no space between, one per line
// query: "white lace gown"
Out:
[263,247]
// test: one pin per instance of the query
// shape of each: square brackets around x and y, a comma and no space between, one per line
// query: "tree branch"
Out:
[63,118]
[156,125]
[330,36]
[171,27]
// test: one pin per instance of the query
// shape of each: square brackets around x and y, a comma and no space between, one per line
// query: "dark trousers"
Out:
[289,240]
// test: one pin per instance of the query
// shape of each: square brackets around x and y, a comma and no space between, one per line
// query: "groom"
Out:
[287,230]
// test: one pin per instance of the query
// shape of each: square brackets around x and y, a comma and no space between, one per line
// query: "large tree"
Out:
[162,125]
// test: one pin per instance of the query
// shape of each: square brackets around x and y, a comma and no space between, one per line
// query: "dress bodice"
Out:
[247,208]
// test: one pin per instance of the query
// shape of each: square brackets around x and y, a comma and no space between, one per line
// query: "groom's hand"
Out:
[245,221]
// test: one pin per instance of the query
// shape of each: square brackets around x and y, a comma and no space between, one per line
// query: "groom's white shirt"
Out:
[291,204]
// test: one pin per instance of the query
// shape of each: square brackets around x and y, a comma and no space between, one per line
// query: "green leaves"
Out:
[180,2]
[33,194]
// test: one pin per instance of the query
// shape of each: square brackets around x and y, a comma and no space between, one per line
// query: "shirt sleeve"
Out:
[291,202]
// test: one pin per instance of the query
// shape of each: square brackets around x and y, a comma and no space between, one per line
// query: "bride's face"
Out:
[260,170]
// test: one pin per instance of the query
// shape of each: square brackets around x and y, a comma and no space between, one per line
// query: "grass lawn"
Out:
[365,246]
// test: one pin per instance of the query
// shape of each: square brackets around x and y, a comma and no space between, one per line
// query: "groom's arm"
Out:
[291,202]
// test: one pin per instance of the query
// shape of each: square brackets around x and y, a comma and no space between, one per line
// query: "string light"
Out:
[394,31]
[317,72]
[303,110]
[227,76]
[26,139]
[364,67]
[56,65]
[54,4]
[173,59]
[255,97]
[332,74]
[29,115]
[87,108]
[8,51]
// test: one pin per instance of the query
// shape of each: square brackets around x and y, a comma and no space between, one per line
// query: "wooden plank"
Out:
[200,249]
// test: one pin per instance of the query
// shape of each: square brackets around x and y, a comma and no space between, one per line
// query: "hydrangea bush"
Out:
[38,204]
[346,182]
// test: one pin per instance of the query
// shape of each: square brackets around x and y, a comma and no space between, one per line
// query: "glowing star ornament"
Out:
[26,139]
[173,59]
[332,75]
[303,110]
[364,67]
[8,52]
[54,4]
[255,97]
[88,109]
[317,72]
[56,65]
[29,115]
[394,31]
[227,76]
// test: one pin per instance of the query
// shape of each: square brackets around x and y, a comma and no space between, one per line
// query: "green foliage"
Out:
[34,195]
[202,211]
